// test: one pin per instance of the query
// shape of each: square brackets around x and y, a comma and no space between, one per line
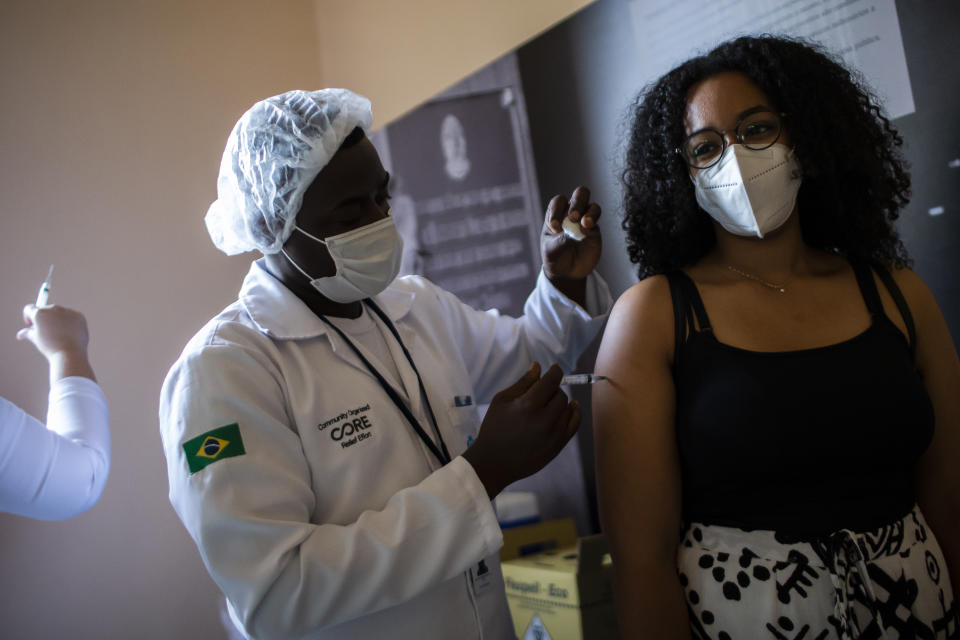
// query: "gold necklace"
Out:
[750,276]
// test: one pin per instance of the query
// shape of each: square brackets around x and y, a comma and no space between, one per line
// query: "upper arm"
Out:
[938,473]
[247,513]
[638,475]
[55,471]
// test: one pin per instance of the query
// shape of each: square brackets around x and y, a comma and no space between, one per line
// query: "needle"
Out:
[582,378]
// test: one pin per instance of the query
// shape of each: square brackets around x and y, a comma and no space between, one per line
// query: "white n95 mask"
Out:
[750,192]
[367,261]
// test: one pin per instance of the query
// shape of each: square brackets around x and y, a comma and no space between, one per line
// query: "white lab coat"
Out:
[57,470]
[316,532]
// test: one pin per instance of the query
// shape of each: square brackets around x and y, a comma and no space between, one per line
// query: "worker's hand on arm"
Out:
[60,334]
[568,261]
[526,426]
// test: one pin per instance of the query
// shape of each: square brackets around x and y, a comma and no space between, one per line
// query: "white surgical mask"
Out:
[367,260]
[750,192]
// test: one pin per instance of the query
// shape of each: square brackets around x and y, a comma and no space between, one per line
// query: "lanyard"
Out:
[440,453]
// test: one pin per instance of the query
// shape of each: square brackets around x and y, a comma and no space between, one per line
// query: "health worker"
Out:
[317,430]
[56,470]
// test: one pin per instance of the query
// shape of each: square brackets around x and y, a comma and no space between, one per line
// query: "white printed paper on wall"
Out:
[865,33]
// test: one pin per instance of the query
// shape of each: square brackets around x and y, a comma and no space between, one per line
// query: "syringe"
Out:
[43,296]
[582,378]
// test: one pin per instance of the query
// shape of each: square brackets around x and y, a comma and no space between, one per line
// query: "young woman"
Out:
[777,444]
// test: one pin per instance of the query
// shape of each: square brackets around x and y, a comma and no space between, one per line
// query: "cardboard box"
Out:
[563,591]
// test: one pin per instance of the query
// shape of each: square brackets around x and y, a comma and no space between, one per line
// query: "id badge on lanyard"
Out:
[480,579]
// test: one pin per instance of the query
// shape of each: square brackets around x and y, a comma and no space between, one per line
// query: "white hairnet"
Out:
[273,154]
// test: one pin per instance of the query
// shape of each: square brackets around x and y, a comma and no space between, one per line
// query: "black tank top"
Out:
[802,442]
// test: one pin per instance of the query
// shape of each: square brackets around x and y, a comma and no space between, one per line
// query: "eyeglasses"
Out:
[757,129]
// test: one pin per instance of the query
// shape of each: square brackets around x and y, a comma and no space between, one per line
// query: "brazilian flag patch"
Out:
[207,448]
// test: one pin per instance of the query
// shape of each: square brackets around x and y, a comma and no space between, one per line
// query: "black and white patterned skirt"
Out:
[888,583]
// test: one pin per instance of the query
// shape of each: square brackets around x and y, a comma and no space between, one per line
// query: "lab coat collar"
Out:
[280,314]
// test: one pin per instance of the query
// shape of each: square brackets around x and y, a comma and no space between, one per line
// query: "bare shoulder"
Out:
[646,291]
[934,342]
[647,304]
[641,321]
[923,306]
[909,282]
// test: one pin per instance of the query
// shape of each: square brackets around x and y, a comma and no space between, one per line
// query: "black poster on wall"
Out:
[460,201]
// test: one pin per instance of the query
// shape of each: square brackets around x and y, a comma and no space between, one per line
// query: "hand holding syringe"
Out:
[59,334]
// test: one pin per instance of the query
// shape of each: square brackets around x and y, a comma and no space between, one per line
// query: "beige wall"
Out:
[114,116]
[400,53]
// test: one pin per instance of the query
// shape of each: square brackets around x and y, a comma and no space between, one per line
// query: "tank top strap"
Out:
[868,288]
[689,314]
[693,296]
[901,303]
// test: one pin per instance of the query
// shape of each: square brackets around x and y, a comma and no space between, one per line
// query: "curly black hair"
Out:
[855,179]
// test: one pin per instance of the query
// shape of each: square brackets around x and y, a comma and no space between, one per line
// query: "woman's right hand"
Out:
[526,426]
